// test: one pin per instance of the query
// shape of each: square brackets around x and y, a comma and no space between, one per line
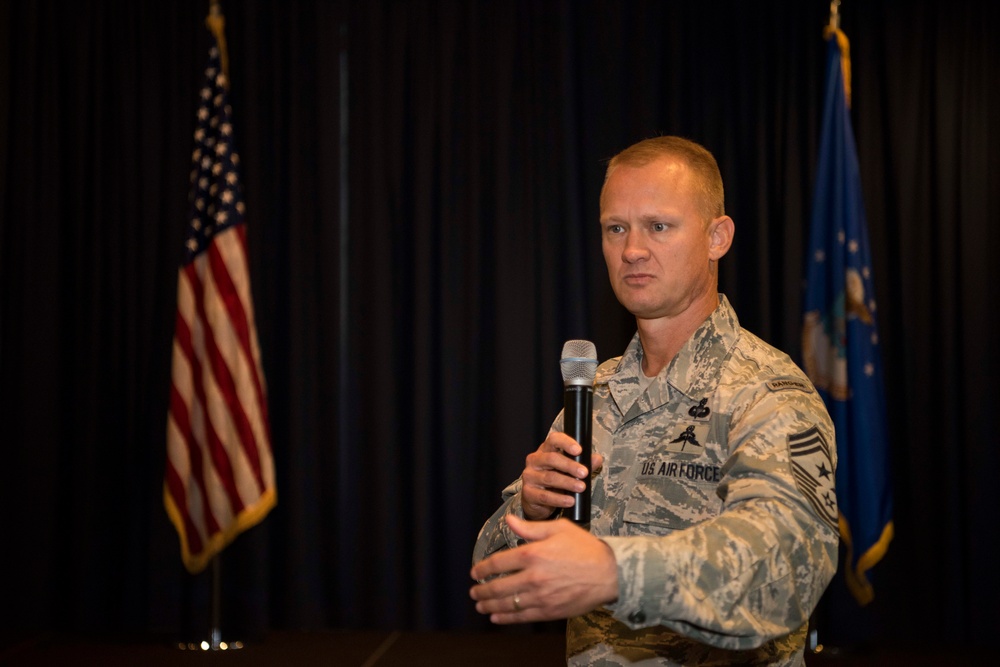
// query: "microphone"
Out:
[578,366]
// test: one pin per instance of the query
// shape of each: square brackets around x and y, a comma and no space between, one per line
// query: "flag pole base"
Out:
[214,642]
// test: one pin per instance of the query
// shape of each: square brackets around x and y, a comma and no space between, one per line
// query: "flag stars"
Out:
[874,338]
[841,237]
[869,369]
[866,272]
[852,246]
[215,197]
[819,256]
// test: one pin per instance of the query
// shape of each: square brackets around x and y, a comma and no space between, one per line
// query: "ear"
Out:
[720,234]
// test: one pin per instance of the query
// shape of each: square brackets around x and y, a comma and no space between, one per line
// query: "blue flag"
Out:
[840,344]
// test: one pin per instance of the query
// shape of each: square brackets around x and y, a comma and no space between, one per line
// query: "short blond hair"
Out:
[699,160]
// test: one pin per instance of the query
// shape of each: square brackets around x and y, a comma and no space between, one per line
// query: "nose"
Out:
[635,249]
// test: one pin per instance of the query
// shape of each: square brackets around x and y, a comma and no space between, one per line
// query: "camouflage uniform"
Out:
[717,500]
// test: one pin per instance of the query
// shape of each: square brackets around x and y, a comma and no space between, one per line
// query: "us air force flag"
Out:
[840,343]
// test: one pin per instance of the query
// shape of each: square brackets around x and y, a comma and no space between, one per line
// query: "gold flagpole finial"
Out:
[216,22]
[833,30]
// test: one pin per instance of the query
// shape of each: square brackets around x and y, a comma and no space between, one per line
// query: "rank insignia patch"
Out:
[812,466]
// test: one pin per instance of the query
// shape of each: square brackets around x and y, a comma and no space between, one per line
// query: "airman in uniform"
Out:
[713,522]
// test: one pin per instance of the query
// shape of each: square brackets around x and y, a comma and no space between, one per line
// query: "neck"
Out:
[663,337]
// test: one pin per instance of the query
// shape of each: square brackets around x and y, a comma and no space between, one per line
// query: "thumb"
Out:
[532,530]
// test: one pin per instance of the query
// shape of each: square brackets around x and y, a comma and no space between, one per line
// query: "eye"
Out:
[614,229]
[658,226]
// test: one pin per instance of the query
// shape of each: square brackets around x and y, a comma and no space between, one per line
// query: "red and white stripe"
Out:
[219,476]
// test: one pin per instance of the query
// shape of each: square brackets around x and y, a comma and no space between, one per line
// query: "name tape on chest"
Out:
[693,472]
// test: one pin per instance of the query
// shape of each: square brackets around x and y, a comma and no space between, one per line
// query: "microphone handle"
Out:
[578,410]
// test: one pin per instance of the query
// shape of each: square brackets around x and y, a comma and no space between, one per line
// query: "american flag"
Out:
[219,477]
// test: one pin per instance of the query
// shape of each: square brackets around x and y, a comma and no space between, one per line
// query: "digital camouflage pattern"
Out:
[717,499]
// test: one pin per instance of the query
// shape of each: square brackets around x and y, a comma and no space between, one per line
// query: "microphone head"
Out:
[578,363]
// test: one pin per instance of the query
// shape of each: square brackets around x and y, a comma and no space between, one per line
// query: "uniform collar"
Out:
[694,371]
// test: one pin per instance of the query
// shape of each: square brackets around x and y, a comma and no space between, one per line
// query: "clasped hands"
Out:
[562,570]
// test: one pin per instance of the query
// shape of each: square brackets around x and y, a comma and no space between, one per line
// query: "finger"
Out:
[516,608]
[495,565]
[526,616]
[560,442]
[556,479]
[596,462]
[513,601]
[545,461]
[533,531]
[539,503]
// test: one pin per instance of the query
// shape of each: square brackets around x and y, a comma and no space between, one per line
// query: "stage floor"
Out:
[382,649]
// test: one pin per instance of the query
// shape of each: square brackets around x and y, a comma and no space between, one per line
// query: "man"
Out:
[713,524]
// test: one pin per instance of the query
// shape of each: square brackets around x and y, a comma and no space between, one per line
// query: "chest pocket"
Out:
[675,482]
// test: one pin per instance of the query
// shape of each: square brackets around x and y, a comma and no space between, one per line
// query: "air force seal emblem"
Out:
[812,466]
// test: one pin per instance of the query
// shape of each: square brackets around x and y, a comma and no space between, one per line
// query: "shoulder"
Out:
[760,363]
[759,374]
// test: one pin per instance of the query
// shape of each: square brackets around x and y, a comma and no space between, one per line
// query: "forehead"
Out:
[665,181]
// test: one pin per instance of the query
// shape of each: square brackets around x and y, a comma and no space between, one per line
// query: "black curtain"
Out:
[421,183]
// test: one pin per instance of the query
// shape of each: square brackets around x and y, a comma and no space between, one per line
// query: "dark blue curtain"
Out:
[421,185]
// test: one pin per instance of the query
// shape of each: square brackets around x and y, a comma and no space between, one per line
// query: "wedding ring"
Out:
[517,602]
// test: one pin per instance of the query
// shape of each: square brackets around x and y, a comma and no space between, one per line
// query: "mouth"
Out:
[637,278]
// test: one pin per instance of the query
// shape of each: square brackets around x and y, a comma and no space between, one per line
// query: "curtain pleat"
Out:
[421,181]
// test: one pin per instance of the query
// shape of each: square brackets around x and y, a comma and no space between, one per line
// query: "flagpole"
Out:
[814,646]
[215,641]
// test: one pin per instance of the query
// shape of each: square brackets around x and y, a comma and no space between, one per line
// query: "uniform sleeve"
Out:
[495,533]
[754,572]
